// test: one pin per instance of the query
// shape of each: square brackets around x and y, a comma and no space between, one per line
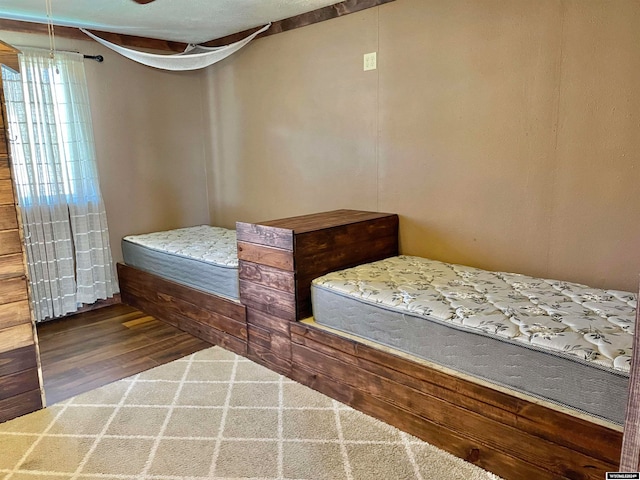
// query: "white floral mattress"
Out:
[202,257]
[205,243]
[593,325]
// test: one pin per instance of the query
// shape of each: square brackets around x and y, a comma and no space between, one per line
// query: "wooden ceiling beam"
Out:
[302,20]
[309,18]
[75,33]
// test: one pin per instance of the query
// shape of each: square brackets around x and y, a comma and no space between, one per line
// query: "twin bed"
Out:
[203,257]
[558,341]
[523,376]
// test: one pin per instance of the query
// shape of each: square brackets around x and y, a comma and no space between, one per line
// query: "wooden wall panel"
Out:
[17,360]
[16,337]
[22,404]
[14,313]
[19,382]
[4,146]
[265,255]
[20,389]
[8,218]
[9,56]
[265,235]
[267,276]
[269,340]
[11,265]
[5,172]
[10,242]
[13,289]
[266,321]
[268,300]
[6,191]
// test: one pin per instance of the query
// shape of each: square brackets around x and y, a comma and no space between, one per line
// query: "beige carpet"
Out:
[214,415]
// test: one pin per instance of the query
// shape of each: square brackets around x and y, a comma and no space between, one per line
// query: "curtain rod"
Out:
[97,58]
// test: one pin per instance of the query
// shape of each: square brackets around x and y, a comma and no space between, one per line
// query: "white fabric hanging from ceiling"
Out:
[194,57]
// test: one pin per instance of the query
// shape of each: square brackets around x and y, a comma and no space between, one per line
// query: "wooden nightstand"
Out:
[278,260]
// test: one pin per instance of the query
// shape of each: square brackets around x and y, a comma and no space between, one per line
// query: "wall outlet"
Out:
[370,61]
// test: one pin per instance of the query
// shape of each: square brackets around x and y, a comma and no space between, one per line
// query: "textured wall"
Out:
[504,133]
[294,123]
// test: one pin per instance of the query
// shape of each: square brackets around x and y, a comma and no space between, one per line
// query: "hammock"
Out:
[193,57]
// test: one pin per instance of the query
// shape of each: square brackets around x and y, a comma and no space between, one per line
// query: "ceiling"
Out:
[189,21]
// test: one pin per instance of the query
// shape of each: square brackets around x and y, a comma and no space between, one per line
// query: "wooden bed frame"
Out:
[217,320]
[509,434]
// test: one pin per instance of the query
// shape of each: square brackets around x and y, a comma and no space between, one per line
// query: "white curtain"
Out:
[54,164]
[194,57]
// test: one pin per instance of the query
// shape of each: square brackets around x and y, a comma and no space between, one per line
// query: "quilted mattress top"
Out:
[594,325]
[209,244]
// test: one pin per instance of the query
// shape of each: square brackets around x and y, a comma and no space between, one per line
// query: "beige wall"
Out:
[148,127]
[504,133]
[294,124]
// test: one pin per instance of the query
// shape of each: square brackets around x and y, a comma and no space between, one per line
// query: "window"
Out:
[54,168]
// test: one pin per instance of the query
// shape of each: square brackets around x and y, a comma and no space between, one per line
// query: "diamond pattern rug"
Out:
[214,415]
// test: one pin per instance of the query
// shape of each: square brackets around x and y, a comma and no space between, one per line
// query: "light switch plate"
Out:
[370,61]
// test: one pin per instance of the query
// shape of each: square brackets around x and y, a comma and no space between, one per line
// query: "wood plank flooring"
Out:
[87,350]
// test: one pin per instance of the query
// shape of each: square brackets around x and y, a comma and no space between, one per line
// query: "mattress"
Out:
[202,257]
[558,341]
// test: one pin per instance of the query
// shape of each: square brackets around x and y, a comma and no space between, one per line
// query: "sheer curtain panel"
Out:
[54,166]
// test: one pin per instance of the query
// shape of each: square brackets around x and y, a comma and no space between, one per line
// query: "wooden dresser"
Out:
[278,260]
[20,386]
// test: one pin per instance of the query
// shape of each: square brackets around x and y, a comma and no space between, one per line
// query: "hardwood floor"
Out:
[87,350]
